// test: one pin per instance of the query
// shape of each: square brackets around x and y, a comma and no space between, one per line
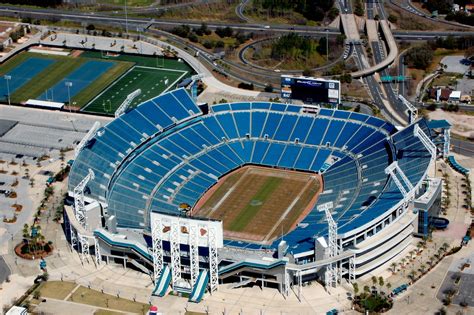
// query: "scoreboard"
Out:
[311,90]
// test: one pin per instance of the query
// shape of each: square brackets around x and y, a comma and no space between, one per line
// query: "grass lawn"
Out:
[248,213]
[56,289]
[91,297]
[262,57]
[446,79]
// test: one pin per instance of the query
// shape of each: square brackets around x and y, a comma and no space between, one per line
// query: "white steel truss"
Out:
[73,236]
[392,170]
[447,142]
[332,271]
[286,286]
[412,110]
[157,252]
[79,205]
[86,138]
[429,145]
[126,103]
[300,284]
[98,255]
[83,240]
[175,254]
[194,253]
[213,260]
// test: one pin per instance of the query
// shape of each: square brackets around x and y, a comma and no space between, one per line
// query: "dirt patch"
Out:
[462,124]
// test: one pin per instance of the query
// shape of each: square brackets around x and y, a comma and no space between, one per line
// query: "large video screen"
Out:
[309,90]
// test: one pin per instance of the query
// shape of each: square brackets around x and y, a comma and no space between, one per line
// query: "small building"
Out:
[16,310]
[454,97]
[439,94]
[465,99]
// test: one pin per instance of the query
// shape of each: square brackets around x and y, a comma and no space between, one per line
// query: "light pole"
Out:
[126,17]
[8,78]
[327,45]
[69,85]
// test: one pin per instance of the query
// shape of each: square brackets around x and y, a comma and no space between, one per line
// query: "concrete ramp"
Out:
[392,55]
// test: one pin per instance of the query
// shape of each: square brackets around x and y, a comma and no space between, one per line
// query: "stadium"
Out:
[252,192]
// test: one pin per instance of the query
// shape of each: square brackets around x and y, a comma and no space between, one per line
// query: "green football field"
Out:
[151,81]
[153,75]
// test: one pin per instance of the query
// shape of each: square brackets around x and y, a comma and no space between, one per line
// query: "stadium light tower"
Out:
[69,85]
[8,78]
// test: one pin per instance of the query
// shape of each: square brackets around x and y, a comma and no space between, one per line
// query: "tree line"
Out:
[314,10]
[42,3]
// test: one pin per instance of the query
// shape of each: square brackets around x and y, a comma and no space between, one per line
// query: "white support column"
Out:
[286,285]
[98,256]
[352,269]
[194,253]
[175,254]
[156,229]
[213,260]
[300,284]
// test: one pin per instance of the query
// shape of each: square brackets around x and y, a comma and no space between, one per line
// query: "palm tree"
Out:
[381,281]
[394,266]
[403,262]
[388,285]
[412,274]
[422,268]
[412,252]
[445,246]
[25,230]
[419,246]
[374,280]
[356,288]
[366,289]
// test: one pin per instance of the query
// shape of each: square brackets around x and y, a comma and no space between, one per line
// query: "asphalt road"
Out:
[409,7]
[4,270]
[462,147]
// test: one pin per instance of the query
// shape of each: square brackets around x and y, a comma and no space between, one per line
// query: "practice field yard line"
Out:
[166,69]
[174,83]
[249,212]
[150,80]
[110,86]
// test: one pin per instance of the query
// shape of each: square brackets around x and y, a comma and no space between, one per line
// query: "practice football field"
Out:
[151,81]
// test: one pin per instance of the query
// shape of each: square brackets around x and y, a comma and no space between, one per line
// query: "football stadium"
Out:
[251,192]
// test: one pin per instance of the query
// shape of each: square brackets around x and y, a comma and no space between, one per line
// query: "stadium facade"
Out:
[131,178]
